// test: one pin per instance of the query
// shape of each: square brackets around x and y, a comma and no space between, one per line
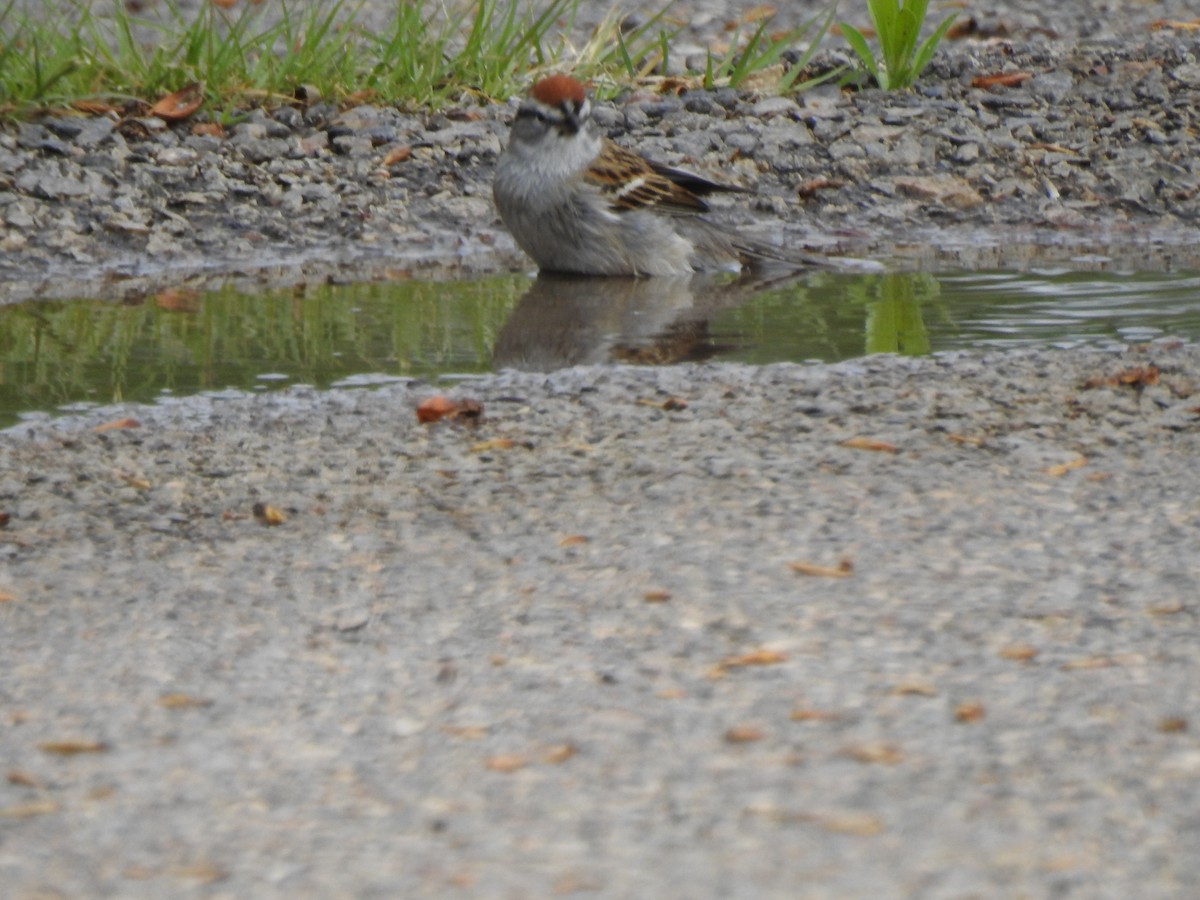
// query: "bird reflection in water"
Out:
[568,320]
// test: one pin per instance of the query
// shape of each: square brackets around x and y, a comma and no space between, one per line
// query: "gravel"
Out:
[887,628]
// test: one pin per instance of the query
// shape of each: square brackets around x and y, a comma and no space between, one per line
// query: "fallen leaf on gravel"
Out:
[1019,652]
[24,779]
[761,657]
[436,408]
[506,763]
[814,715]
[1053,148]
[182,701]
[965,439]
[1159,24]
[573,540]
[860,824]
[180,104]
[866,443]
[1089,662]
[559,753]
[948,190]
[813,185]
[493,444]
[209,129]
[94,107]
[1002,79]
[842,570]
[266,514]
[914,688]
[744,734]
[4,519]
[1173,725]
[466,732]
[397,154]
[1063,468]
[968,712]
[28,810]
[119,423]
[657,596]
[71,748]
[1137,377]
[670,404]
[875,754]
[6,597]
[134,481]
[1166,609]
[201,872]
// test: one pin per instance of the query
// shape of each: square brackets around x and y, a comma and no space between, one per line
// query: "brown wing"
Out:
[630,182]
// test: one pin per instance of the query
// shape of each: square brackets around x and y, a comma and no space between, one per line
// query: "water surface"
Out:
[62,355]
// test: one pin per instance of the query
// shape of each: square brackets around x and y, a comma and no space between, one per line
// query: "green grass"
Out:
[431,52]
[897,25]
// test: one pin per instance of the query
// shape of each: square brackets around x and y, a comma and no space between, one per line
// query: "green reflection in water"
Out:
[54,354]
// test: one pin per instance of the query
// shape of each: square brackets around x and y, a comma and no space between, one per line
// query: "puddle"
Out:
[70,355]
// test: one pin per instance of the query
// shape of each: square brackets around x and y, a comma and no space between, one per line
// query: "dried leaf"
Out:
[813,185]
[180,104]
[860,824]
[6,597]
[762,657]
[842,570]
[71,748]
[1137,377]
[209,129]
[433,409]
[493,444]
[182,701]
[969,712]
[866,443]
[178,300]
[134,481]
[24,779]
[1019,652]
[1173,725]
[658,595]
[1003,79]
[814,715]
[965,439]
[397,155]
[914,688]
[28,810]
[1089,662]
[573,540]
[1158,24]
[119,423]
[744,734]
[1063,468]
[875,753]
[266,514]
[559,754]
[466,732]
[506,763]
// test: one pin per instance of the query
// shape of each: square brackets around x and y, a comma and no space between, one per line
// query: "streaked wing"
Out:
[630,182]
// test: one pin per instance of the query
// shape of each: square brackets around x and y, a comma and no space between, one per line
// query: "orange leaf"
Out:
[506,763]
[1063,468]
[1004,79]
[70,748]
[266,514]
[180,104]
[744,734]
[119,423]
[969,712]
[397,154]
[866,443]
[841,570]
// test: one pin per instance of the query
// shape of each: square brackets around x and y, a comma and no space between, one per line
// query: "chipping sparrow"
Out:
[578,203]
